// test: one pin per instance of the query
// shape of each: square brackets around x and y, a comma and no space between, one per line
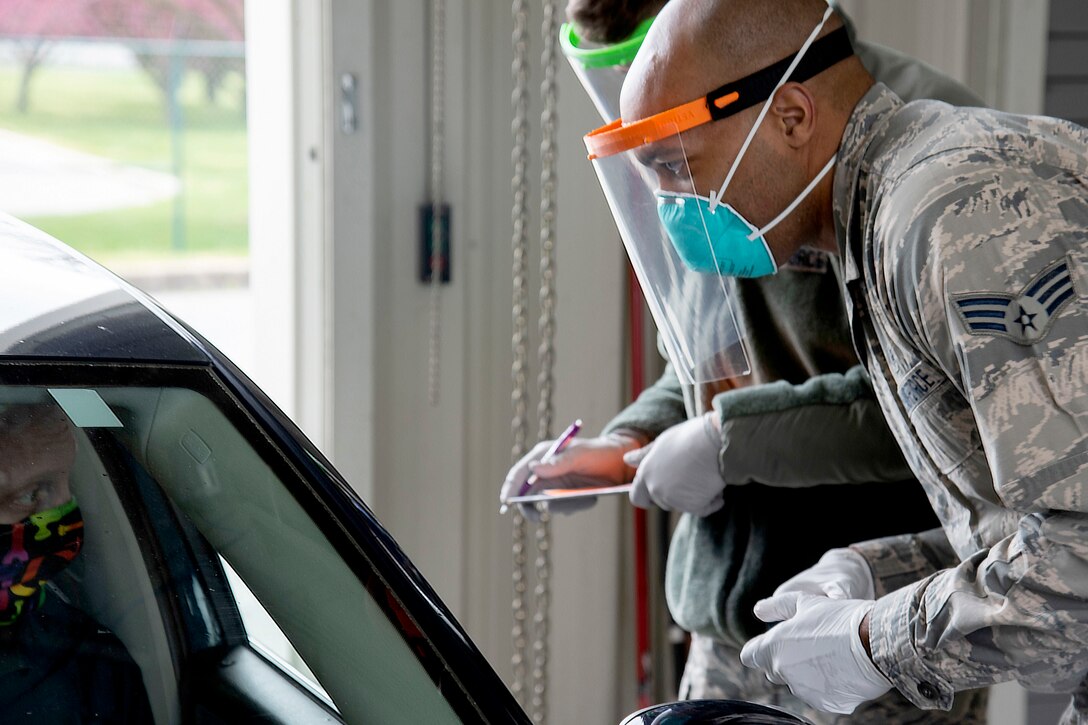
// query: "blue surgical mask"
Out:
[715,242]
[715,238]
[711,236]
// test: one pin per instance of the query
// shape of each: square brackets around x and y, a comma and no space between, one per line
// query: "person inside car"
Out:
[57,664]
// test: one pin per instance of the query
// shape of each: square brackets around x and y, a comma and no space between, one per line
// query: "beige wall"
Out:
[996,47]
[432,474]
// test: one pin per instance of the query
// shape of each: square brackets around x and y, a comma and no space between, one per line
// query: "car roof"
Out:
[57,304]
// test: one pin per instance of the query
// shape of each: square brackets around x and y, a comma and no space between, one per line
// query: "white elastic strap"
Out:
[793,205]
[770,256]
[716,199]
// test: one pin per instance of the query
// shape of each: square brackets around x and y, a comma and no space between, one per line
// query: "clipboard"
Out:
[560,494]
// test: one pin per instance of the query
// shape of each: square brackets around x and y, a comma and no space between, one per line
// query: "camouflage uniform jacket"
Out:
[963,234]
[806,392]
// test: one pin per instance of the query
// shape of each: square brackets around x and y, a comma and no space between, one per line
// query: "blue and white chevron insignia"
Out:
[1024,318]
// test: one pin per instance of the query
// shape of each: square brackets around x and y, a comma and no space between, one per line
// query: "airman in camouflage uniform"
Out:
[961,234]
[963,240]
[713,668]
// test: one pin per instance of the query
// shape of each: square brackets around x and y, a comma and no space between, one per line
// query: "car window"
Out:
[171,485]
[266,635]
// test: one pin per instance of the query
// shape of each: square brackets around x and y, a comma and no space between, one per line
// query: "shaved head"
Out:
[695,46]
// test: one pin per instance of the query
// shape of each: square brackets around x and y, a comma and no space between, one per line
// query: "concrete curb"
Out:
[183,272]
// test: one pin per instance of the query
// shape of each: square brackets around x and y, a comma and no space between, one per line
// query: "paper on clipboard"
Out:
[559,494]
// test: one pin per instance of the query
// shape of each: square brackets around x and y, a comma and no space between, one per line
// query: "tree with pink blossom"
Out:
[34,25]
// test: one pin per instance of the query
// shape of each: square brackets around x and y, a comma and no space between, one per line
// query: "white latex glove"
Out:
[839,574]
[816,650]
[584,462]
[679,471]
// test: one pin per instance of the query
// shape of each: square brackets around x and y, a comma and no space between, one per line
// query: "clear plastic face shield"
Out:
[684,241]
[693,311]
[702,347]
[602,68]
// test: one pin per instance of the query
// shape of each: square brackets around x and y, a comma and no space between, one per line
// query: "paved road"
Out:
[39,178]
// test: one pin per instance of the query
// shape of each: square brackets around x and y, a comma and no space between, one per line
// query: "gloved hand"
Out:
[584,462]
[679,471]
[816,650]
[839,574]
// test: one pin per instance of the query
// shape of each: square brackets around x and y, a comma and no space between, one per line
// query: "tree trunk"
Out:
[31,60]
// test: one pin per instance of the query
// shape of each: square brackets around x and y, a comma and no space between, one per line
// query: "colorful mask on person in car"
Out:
[34,551]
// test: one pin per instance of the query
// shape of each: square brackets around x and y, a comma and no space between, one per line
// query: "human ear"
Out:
[794,112]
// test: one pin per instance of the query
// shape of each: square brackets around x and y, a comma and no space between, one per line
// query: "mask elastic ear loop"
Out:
[716,199]
[801,197]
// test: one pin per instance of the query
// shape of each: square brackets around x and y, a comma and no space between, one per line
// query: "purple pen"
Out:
[560,443]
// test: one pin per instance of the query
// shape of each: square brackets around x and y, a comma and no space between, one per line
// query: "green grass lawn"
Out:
[122,115]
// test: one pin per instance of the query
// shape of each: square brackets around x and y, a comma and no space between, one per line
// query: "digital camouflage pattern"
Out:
[901,560]
[714,671]
[797,333]
[964,235]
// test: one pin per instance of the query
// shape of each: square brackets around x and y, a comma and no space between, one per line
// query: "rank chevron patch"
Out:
[1024,318]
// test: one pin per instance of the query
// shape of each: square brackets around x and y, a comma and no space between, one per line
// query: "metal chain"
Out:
[542,601]
[548,178]
[520,339]
[438,159]
[519,630]
[545,381]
